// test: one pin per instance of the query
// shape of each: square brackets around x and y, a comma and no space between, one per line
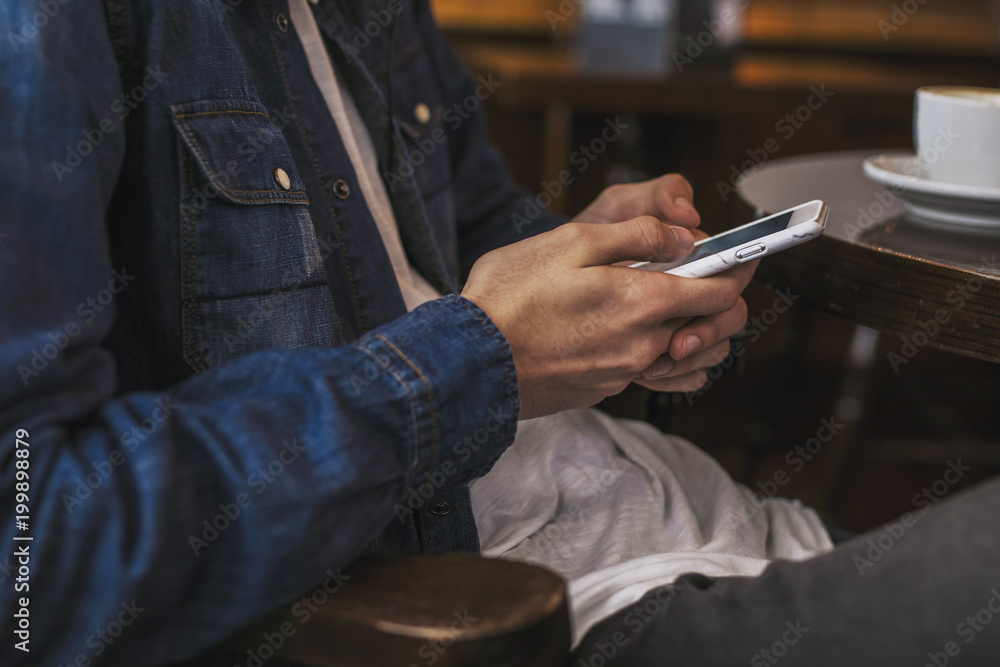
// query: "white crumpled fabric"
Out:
[618,508]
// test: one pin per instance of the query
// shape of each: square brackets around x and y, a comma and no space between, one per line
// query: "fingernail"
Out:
[685,240]
[660,368]
[684,203]
[691,345]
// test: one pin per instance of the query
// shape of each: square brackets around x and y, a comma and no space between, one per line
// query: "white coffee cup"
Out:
[957,133]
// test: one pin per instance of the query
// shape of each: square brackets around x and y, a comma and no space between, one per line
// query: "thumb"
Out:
[641,239]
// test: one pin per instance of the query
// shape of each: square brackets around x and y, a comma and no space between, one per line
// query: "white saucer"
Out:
[969,207]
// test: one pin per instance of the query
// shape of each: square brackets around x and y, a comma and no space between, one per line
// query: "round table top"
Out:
[877,266]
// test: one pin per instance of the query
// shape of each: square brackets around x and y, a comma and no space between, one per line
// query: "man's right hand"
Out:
[582,329]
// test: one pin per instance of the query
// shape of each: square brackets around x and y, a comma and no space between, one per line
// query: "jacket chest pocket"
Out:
[252,276]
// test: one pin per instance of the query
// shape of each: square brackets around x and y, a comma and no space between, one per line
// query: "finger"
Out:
[704,332]
[668,198]
[666,366]
[641,239]
[693,381]
[671,198]
[668,297]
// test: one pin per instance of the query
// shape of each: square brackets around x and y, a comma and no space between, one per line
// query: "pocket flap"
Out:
[240,151]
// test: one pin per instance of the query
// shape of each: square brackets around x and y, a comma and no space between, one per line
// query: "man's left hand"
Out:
[667,198]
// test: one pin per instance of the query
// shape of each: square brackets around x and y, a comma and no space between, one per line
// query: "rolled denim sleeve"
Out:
[179,516]
[491,210]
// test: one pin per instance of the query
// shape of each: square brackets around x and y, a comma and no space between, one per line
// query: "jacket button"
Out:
[422,113]
[342,189]
[281,176]
[440,508]
[282,22]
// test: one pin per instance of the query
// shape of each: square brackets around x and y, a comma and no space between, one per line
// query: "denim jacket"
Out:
[212,396]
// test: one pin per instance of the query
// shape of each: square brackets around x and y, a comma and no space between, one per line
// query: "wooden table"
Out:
[875,265]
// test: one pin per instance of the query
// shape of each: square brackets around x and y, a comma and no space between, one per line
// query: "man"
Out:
[229,363]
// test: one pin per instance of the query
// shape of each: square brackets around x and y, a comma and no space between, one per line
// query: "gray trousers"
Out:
[923,590]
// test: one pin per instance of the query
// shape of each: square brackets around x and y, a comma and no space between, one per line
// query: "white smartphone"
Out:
[757,239]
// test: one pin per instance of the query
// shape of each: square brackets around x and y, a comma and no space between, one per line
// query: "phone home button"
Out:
[750,251]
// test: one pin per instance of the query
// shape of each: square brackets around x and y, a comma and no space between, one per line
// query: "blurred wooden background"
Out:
[956,26]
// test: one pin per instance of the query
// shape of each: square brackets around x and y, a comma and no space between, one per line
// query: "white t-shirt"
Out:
[616,507]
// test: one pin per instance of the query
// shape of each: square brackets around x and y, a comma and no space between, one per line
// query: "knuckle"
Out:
[621,385]
[616,378]
[665,197]
[486,263]
[643,354]
[573,232]
[647,225]
[655,236]
[615,192]
[642,299]
[678,182]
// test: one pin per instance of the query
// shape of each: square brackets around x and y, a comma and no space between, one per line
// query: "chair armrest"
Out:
[450,610]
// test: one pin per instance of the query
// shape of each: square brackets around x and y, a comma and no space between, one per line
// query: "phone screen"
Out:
[728,240]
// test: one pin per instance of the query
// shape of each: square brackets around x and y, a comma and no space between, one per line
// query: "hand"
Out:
[667,198]
[699,344]
[581,329]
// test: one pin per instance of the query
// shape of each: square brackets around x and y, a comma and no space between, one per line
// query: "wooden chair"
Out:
[449,610]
